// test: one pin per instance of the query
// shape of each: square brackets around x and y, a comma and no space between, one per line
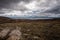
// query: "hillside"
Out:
[32,29]
[4,19]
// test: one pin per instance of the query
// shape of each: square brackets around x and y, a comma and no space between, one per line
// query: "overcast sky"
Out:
[30,8]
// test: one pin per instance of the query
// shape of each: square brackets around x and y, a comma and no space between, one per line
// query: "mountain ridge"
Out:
[9,20]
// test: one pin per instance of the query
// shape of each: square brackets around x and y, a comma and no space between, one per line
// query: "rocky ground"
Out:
[10,34]
[30,31]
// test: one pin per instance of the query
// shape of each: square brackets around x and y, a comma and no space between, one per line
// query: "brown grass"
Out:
[37,30]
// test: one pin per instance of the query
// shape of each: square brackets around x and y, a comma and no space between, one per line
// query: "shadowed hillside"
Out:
[5,19]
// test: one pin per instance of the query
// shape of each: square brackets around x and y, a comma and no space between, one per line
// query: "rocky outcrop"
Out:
[10,34]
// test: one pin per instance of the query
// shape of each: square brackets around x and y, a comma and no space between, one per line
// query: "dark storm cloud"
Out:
[2,13]
[12,1]
[30,8]
[6,3]
[55,10]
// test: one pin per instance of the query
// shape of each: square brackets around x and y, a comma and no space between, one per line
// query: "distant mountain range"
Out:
[10,20]
[31,17]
